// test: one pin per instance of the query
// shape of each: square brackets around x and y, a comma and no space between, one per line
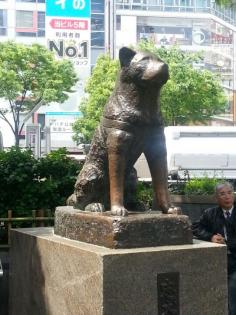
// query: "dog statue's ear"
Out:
[126,55]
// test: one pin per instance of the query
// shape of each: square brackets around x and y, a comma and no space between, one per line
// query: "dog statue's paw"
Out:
[119,210]
[175,210]
[95,207]
[71,201]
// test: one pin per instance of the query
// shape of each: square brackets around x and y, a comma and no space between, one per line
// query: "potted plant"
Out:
[193,195]
[196,195]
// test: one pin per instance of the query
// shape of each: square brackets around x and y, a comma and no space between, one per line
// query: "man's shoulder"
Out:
[212,210]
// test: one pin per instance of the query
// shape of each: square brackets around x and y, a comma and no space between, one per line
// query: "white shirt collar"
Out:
[228,210]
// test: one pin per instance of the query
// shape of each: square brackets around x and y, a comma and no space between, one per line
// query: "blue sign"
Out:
[63,113]
[68,8]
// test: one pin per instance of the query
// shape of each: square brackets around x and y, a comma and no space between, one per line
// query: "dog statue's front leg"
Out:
[117,148]
[155,153]
[159,180]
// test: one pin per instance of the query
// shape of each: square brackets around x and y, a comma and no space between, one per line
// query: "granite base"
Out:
[52,275]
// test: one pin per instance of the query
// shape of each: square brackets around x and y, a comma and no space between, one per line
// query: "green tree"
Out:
[30,76]
[98,89]
[229,3]
[190,95]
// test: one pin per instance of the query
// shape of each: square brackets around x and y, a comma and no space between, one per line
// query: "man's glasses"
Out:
[224,194]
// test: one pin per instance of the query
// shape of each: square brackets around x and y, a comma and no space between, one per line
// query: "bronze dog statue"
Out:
[131,124]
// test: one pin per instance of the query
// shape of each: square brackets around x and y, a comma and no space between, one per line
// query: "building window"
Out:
[3,22]
[97,22]
[41,24]
[97,39]
[30,23]
[25,20]
[118,22]
[97,6]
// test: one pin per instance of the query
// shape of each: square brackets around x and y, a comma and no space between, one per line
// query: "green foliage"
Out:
[194,186]
[17,172]
[57,173]
[30,75]
[226,3]
[177,187]
[201,186]
[30,184]
[144,194]
[99,88]
[190,96]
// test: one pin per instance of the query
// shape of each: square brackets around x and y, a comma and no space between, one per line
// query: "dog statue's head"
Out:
[142,68]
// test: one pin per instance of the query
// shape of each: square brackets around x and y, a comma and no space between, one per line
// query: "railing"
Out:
[196,6]
[37,218]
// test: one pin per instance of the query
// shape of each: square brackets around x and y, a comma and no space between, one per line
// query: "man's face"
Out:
[225,197]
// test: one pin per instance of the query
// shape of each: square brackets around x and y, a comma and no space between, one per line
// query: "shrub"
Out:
[144,194]
[56,178]
[30,184]
[194,186]
[17,170]
[201,186]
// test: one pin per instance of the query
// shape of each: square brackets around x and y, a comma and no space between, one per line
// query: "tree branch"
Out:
[38,103]
[12,110]
[3,117]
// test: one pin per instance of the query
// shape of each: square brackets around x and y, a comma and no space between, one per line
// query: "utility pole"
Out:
[234,79]
[110,28]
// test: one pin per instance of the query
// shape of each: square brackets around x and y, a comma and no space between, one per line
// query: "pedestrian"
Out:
[218,225]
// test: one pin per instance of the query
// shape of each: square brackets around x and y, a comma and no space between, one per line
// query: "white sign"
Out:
[60,124]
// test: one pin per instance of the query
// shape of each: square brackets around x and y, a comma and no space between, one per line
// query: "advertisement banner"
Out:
[68,32]
[68,8]
[68,37]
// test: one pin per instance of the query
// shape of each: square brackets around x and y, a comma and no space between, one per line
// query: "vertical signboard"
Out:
[68,36]
[33,139]
[68,32]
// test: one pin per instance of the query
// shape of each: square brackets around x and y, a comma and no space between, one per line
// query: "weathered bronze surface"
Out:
[131,124]
[136,230]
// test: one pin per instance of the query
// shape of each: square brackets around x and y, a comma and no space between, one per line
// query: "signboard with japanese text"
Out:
[68,32]
[68,37]
[68,8]
[60,124]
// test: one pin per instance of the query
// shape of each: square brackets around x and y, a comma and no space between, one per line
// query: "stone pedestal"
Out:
[51,275]
[135,230]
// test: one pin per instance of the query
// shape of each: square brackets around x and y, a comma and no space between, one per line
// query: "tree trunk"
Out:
[17,139]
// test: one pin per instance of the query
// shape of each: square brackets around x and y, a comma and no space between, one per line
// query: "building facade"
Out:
[195,25]
[24,21]
[73,30]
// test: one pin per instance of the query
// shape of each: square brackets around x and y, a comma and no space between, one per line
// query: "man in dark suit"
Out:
[218,225]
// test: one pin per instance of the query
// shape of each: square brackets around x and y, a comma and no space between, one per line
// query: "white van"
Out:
[197,151]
